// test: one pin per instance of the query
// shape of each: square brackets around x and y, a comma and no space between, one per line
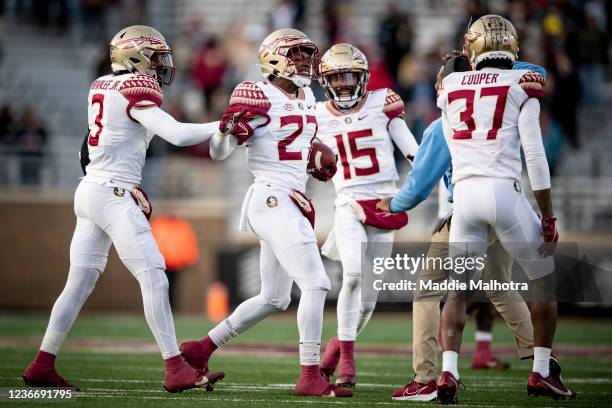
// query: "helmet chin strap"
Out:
[300,81]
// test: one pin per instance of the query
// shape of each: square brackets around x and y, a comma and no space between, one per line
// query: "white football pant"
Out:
[289,253]
[484,203]
[106,215]
[351,239]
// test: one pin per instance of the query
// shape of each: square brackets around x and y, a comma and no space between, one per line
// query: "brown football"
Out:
[321,156]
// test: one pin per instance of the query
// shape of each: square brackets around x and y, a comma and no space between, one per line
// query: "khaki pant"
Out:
[426,308]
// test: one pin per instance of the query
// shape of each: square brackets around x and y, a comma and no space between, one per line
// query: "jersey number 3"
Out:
[94,138]
[467,116]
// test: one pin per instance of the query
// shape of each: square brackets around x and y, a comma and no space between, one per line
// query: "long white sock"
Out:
[541,361]
[449,362]
[310,325]
[483,336]
[154,288]
[348,308]
[81,281]
[247,314]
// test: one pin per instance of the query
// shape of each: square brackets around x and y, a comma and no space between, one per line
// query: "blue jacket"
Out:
[433,161]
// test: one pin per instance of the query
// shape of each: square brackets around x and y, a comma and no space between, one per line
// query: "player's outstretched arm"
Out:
[403,138]
[222,145]
[168,128]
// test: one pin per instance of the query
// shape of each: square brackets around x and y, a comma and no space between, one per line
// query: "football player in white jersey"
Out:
[488,114]
[123,115]
[361,127]
[277,128]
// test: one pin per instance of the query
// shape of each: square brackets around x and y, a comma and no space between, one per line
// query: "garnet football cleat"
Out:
[346,373]
[318,387]
[181,376]
[38,376]
[197,353]
[330,359]
[447,387]
[550,386]
[485,361]
[415,391]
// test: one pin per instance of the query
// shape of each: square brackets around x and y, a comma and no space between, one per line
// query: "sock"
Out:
[246,315]
[221,333]
[310,324]
[310,353]
[449,362]
[483,341]
[541,361]
[45,359]
[348,307]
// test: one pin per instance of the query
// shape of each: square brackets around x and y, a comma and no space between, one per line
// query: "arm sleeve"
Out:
[166,127]
[531,139]
[222,146]
[403,138]
[432,160]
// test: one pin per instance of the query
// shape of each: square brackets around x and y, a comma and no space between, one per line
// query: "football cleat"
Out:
[316,386]
[415,391]
[447,388]
[187,377]
[196,353]
[485,361]
[330,359]
[37,376]
[41,372]
[551,386]
[346,373]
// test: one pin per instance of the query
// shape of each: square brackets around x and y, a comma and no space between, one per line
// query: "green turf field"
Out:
[113,360]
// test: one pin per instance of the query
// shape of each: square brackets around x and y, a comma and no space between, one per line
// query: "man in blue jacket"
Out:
[432,163]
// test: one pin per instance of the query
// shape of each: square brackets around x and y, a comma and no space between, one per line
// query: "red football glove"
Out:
[551,236]
[233,122]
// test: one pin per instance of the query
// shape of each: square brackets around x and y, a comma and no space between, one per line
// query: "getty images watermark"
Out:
[458,265]
[409,272]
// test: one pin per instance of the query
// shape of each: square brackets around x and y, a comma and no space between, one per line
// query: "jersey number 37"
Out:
[500,93]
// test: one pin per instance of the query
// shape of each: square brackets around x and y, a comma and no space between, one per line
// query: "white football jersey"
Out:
[366,166]
[117,143]
[277,152]
[480,111]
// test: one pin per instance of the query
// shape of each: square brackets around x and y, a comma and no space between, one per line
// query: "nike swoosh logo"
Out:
[362,117]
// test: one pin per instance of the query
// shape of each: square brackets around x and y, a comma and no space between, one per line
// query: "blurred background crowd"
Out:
[51,51]
[215,45]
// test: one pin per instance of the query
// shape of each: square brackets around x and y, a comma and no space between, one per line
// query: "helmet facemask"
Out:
[303,64]
[162,67]
[346,87]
